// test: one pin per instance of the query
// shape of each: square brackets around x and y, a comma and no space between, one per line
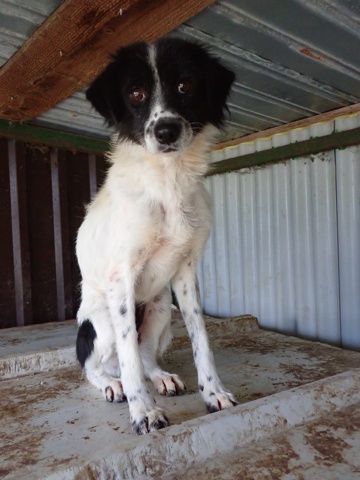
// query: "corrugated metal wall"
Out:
[286,247]
[42,196]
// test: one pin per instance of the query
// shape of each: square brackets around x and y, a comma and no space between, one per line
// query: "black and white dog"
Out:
[148,225]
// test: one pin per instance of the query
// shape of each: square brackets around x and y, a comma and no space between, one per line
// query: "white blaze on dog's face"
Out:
[161,95]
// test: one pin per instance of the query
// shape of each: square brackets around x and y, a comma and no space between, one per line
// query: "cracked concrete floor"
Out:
[298,415]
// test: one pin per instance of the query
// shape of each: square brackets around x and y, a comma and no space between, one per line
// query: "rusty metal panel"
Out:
[20,230]
[65,207]
[58,238]
[78,186]
[41,235]
[42,199]
[7,280]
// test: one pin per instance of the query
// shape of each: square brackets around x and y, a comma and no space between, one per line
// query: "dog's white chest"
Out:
[171,240]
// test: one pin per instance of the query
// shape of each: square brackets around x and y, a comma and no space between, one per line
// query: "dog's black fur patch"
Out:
[85,341]
[177,61]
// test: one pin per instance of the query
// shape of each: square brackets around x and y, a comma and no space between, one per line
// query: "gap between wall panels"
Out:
[43,193]
[285,246]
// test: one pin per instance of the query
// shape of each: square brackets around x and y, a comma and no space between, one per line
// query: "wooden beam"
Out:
[304,123]
[293,150]
[71,47]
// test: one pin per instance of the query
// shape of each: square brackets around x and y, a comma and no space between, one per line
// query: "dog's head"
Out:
[161,95]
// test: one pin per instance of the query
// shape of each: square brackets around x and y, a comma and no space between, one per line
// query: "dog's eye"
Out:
[137,94]
[184,86]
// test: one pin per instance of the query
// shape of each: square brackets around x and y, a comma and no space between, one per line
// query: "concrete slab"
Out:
[324,449]
[54,425]
[37,348]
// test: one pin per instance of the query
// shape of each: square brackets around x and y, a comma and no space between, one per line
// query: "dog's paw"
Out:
[153,420]
[216,398]
[219,401]
[114,392]
[169,384]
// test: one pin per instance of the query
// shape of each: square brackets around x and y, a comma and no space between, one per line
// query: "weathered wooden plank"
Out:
[7,280]
[20,236]
[24,234]
[72,46]
[67,246]
[41,236]
[58,239]
[78,191]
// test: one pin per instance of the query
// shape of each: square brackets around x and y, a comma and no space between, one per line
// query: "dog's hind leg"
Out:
[96,353]
[154,337]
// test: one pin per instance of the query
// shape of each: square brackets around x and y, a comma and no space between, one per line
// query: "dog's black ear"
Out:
[219,81]
[105,96]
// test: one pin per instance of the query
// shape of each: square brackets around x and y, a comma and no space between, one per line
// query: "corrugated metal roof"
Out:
[293,59]
[19,19]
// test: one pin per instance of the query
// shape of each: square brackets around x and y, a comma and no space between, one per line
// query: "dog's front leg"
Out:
[144,416]
[212,391]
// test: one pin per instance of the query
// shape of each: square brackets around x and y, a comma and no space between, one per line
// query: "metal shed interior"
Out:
[285,183]
[293,82]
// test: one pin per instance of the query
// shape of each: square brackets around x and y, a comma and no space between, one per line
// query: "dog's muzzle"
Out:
[169,133]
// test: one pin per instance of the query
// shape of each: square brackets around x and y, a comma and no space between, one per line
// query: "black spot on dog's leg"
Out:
[123,309]
[209,379]
[185,290]
[126,332]
[85,341]
[201,388]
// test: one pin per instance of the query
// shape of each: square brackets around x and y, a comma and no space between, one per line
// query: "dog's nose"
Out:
[167,132]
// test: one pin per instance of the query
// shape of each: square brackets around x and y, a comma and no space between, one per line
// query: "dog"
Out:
[148,225]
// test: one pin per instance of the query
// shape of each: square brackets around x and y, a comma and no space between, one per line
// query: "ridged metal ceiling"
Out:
[19,19]
[292,58]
